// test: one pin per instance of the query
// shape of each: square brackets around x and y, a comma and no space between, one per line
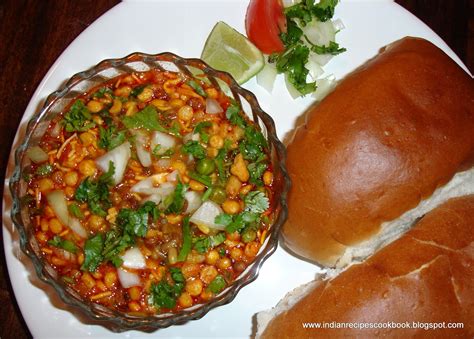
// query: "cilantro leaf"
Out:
[217,284]
[203,179]
[324,9]
[78,118]
[307,9]
[130,224]
[116,241]
[44,170]
[195,149]
[109,138]
[93,253]
[293,34]
[237,222]
[174,203]
[256,202]
[199,129]
[135,222]
[333,48]
[100,93]
[187,243]
[164,294]
[66,245]
[233,114]
[198,88]
[256,170]
[96,193]
[146,118]
[293,60]
[253,145]
[293,63]
[203,244]
[137,90]
[75,210]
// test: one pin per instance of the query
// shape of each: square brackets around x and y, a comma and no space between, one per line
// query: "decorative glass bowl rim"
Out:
[118,321]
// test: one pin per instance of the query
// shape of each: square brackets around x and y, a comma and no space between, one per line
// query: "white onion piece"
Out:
[315,70]
[291,89]
[164,163]
[213,107]
[148,185]
[320,33]
[143,155]
[173,176]
[128,279]
[36,154]
[165,189]
[76,226]
[325,86]
[157,194]
[288,3]
[119,156]
[56,130]
[204,217]
[133,258]
[338,25]
[156,198]
[194,201]
[57,201]
[266,77]
[165,141]
[191,137]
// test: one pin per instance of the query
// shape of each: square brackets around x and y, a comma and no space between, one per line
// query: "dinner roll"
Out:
[384,140]
[424,278]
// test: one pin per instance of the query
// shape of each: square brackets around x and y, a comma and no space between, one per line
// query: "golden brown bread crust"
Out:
[425,276]
[383,140]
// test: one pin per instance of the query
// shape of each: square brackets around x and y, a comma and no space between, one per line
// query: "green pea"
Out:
[218,195]
[248,236]
[205,166]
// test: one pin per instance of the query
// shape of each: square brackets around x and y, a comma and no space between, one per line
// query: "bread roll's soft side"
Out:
[426,276]
[386,137]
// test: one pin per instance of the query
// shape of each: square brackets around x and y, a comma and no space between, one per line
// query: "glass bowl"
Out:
[59,100]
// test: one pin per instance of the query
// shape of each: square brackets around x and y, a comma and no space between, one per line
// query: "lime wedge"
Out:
[229,51]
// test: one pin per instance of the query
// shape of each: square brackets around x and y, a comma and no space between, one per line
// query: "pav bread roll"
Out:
[385,139]
[424,278]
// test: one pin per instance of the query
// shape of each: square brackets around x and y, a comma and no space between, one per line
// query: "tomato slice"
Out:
[264,22]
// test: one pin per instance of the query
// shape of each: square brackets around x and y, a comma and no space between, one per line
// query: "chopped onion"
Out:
[314,67]
[57,201]
[165,189]
[266,77]
[325,86]
[173,176]
[191,137]
[128,279]
[205,216]
[164,163]
[76,226]
[133,258]
[56,130]
[36,154]
[143,155]
[291,89]
[156,198]
[194,201]
[148,185]
[119,156]
[338,25]
[320,33]
[212,106]
[163,140]
[288,3]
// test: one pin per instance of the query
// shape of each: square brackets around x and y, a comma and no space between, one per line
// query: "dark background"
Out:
[34,33]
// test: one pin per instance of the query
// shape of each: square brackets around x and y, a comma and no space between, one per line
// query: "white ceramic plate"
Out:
[181,27]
